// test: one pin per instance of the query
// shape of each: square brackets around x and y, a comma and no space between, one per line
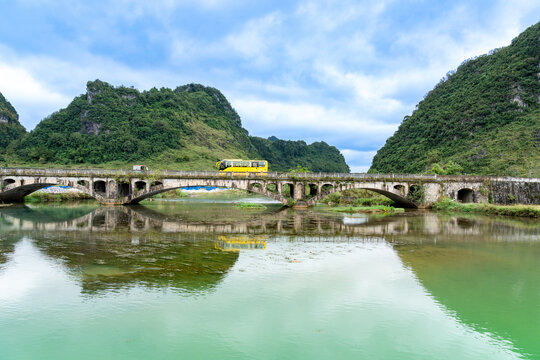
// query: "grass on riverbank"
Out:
[356,197]
[249,206]
[42,197]
[172,194]
[366,209]
[180,194]
[448,205]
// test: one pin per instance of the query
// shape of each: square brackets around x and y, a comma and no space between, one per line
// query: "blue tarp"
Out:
[207,188]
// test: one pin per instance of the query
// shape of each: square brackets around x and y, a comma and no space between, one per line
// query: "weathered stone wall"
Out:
[432,193]
[480,190]
[511,192]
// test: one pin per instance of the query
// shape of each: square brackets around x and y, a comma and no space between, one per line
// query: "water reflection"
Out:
[237,243]
[493,287]
[395,275]
[410,227]
[121,261]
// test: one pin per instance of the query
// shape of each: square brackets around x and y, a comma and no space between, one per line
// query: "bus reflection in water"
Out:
[237,243]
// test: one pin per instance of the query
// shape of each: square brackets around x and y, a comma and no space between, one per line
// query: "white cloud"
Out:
[359,161]
[326,16]
[39,85]
[311,121]
[19,85]
[29,95]
[449,41]
[255,41]
[255,38]
[372,94]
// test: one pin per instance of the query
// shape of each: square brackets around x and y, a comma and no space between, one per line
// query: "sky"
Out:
[344,72]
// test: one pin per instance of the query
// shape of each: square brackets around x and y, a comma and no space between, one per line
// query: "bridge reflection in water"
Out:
[142,219]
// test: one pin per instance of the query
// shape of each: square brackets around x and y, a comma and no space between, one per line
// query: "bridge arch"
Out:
[399,199]
[287,189]
[312,190]
[256,187]
[327,188]
[140,185]
[123,189]
[401,188]
[466,195]
[17,193]
[7,182]
[271,187]
[100,187]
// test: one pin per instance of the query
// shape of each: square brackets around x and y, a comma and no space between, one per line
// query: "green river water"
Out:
[203,279]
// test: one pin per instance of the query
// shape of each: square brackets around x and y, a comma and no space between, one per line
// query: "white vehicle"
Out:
[140,168]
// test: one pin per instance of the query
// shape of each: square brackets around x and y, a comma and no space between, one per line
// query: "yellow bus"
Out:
[242,166]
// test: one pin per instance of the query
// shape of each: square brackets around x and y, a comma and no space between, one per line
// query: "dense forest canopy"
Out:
[483,118]
[286,155]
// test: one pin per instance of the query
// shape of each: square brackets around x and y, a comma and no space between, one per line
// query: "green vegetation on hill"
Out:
[284,155]
[484,118]
[10,128]
[188,128]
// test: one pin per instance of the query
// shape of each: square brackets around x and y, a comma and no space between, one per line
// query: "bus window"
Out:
[262,164]
[254,164]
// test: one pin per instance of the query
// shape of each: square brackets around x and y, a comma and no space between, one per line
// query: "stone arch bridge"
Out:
[130,187]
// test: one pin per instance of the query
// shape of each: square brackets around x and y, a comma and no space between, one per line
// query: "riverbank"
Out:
[356,198]
[44,197]
[447,205]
